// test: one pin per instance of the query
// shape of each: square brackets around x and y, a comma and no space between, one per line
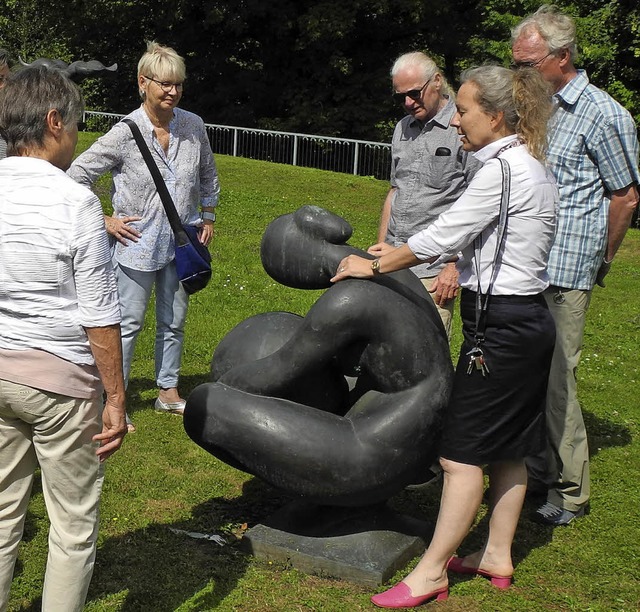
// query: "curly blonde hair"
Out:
[523,97]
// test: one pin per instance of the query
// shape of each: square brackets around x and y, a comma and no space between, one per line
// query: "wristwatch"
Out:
[375,266]
[209,216]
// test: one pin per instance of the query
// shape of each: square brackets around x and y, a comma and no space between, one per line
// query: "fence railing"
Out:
[359,157]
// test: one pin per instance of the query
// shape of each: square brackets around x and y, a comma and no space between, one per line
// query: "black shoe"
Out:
[550,514]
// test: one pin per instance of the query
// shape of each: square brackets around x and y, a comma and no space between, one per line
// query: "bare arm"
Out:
[623,204]
[621,209]
[385,215]
[107,350]
[354,266]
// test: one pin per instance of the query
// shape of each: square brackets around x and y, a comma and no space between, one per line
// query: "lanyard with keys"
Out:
[476,355]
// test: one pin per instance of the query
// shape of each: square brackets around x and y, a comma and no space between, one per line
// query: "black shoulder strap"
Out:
[482,301]
[167,202]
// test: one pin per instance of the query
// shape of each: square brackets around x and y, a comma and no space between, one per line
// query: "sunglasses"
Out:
[414,94]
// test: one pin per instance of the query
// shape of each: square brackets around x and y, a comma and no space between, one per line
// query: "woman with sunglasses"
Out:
[496,413]
[144,244]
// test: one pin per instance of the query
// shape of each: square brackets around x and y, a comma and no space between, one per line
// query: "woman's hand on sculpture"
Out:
[380,249]
[118,228]
[353,266]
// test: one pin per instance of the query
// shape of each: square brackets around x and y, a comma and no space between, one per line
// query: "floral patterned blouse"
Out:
[188,169]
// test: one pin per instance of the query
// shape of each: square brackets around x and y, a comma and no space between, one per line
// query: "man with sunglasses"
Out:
[593,153]
[429,170]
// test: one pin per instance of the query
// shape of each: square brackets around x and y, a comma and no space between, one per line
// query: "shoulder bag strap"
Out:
[482,301]
[163,192]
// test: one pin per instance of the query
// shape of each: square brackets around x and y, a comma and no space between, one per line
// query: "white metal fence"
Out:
[360,157]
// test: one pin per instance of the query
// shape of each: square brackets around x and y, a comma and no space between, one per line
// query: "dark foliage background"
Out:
[317,67]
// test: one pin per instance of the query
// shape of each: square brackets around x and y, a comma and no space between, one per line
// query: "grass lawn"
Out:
[160,480]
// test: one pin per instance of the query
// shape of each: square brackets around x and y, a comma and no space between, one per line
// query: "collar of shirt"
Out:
[442,117]
[572,91]
[491,150]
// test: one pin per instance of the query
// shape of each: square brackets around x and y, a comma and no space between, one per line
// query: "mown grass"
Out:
[161,480]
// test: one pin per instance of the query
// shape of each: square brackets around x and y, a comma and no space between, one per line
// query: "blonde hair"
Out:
[421,61]
[523,97]
[162,63]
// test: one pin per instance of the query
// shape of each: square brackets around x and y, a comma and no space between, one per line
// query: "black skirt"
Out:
[501,416]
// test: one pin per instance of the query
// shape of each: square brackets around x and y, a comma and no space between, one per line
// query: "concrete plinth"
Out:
[363,545]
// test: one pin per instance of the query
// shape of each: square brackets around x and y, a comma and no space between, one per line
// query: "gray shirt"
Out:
[426,184]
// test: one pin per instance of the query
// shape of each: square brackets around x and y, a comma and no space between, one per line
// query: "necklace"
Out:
[514,143]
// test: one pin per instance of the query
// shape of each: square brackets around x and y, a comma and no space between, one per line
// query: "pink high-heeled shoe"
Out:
[400,596]
[500,582]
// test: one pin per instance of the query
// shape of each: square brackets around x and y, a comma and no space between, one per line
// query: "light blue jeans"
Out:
[135,288]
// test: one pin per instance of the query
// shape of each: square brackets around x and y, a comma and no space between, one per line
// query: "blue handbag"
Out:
[193,260]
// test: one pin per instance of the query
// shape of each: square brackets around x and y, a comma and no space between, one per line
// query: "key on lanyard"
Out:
[477,362]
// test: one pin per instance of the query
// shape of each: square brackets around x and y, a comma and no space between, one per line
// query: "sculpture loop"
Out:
[281,406]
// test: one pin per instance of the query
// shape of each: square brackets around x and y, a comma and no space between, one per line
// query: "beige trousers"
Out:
[446,313]
[568,450]
[54,432]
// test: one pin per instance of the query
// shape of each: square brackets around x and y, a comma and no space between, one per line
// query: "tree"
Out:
[313,67]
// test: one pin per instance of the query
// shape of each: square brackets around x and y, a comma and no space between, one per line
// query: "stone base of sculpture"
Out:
[365,545]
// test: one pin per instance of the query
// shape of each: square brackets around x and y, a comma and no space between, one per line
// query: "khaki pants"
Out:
[446,313]
[568,451]
[54,432]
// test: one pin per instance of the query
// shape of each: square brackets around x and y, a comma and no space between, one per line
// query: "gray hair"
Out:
[556,29]
[421,61]
[27,98]
[523,97]
[5,58]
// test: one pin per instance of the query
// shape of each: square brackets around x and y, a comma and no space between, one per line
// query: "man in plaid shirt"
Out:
[593,153]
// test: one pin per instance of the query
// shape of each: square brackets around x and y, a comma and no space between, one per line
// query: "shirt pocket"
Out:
[442,171]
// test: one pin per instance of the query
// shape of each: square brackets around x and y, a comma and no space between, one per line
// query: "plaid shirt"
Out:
[593,150]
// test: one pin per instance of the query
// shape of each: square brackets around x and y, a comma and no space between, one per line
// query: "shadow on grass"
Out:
[157,569]
[603,433]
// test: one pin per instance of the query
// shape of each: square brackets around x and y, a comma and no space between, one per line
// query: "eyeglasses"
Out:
[414,94]
[530,64]
[166,86]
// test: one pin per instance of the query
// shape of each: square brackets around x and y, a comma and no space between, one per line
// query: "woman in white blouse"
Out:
[496,413]
[144,251]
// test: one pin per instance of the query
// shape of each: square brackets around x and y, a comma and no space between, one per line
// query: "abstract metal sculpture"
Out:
[280,406]
[76,71]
